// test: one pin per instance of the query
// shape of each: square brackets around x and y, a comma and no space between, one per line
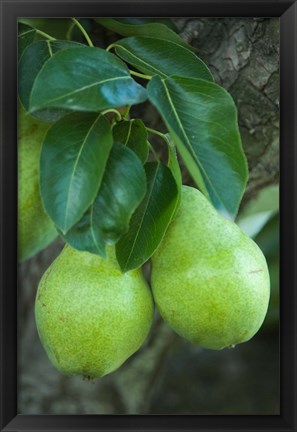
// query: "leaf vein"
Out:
[189,142]
[150,66]
[129,132]
[75,167]
[143,215]
[26,32]
[84,88]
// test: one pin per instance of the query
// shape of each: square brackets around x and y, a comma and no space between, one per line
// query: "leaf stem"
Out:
[126,112]
[160,134]
[118,114]
[69,31]
[110,47]
[132,72]
[47,36]
[83,31]
[140,75]
[153,151]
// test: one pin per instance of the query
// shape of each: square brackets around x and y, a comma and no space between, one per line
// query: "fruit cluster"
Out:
[209,281]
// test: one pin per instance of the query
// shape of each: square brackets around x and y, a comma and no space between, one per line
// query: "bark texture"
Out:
[243,55]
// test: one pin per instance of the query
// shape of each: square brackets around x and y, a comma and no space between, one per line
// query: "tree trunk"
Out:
[243,55]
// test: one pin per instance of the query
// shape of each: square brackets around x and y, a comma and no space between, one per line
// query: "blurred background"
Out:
[168,375]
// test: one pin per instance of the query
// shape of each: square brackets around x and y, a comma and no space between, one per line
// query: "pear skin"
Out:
[90,316]
[210,281]
[35,229]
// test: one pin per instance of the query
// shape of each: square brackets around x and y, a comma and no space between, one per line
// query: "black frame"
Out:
[10,10]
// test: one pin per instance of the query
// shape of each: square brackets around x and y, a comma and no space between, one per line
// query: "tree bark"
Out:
[243,55]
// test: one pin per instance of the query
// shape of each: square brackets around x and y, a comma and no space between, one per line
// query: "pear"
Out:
[90,316]
[35,229]
[210,281]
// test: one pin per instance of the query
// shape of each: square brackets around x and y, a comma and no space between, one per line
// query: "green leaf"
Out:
[26,36]
[137,21]
[173,162]
[73,159]
[132,134]
[32,61]
[265,201]
[83,236]
[259,210]
[56,27]
[160,57]
[150,220]
[84,79]
[202,119]
[122,188]
[268,238]
[152,30]
[74,33]
[174,167]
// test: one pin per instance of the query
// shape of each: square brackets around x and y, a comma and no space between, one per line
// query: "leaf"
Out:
[137,21]
[150,220]
[174,167]
[266,200]
[84,79]
[160,57]
[173,162]
[202,119]
[122,188]
[74,33]
[56,27]
[268,238]
[152,30]
[26,36]
[132,134]
[257,213]
[73,159]
[30,65]
[83,236]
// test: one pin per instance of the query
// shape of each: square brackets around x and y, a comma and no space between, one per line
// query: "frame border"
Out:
[10,10]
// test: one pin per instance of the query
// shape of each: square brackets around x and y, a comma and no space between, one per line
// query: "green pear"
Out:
[35,229]
[210,281]
[90,316]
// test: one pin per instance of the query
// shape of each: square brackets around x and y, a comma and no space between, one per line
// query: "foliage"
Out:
[102,182]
